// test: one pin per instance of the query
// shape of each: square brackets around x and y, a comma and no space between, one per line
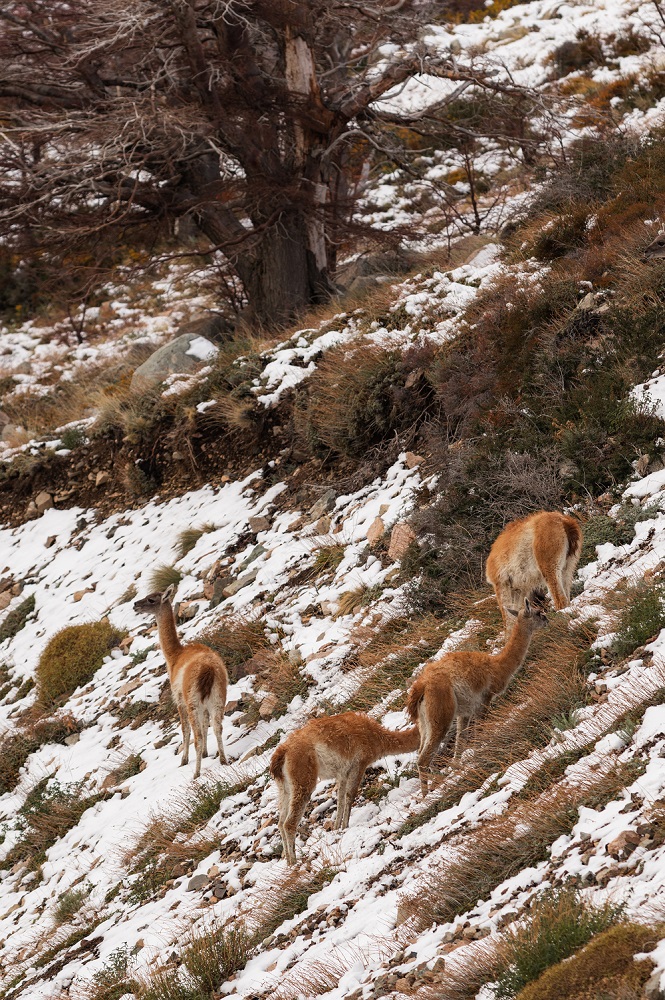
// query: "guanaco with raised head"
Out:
[197,676]
[461,685]
[335,746]
[531,555]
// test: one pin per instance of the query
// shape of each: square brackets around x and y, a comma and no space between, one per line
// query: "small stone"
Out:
[197,882]
[186,610]
[323,505]
[268,705]
[219,888]
[80,594]
[213,871]
[70,741]
[138,946]
[5,600]
[31,511]
[624,844]
[376,531]
[401,537]
[257,524]
[412,460]
[241,582]
[102,477]
[17,589]
[50,541]
[295,657]
[322,526]
[130,686]
[43,501]
[126,642]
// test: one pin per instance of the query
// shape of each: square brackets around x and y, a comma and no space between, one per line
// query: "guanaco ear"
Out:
[511,612]
[168,593]
[527,605]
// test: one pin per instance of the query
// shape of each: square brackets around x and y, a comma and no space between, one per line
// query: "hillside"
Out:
[324,497]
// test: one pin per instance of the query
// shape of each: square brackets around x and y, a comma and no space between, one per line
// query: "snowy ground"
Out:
[352,923]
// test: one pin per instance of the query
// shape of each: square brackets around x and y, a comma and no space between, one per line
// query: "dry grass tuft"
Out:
[176,836]
[33,734]
[504,846]
[162,577]
[288,896]
[237,639]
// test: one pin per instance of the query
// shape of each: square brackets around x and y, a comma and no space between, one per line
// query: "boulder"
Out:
[210,325]
[401,537]
[43,502]
[180,356]
[197,882]
[259,523]
[375,531]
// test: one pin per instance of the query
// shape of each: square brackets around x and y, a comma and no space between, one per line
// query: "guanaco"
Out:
[533,554]
[335,746]
[460,685]
[197,676]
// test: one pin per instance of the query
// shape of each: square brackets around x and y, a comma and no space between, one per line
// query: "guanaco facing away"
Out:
[197,676]
[461,685]
[335,746]
[533,554]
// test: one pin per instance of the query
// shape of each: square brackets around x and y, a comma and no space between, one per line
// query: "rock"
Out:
[70,741]
[257,524]
[257,551]
[80,594]
[375,531]
[295,657]
[186,610]
[130,686]
[126,642]
[102,478]
[213,871]
[218,588]
[241,582]
[401,537]
[184,354]
[322,525]
[5,600]
[322,505]
[413,460]
[17,589]
[379,263]
[264,658]
[197,882]
[511,34]
[268,706]
[623,845]
[219,889]
[210,325]
[652,988]
[50,541]
[4,419]
[368,281]
[43,501]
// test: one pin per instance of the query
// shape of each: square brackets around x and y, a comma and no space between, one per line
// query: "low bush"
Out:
[49,812]
[72,658]
[236,639]
[16,619]
[290,896]
[606,967]
[641,619]
[206,961]
[68,905]
[559,923]
[17,747]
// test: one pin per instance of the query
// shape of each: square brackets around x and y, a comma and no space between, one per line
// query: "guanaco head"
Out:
[656,249]
[532,616]
[153,604]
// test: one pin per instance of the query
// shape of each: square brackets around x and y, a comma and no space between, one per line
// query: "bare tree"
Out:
[247,116]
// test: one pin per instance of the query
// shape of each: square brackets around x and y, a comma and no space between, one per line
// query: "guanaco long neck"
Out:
[512,656]
[168,636]
[399,741]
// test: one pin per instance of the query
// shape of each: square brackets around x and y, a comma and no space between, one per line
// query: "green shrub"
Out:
[72,657]
[68,905]
[16,748]
[560,922]
[642,618]
[72,438]
[49,812]
[619,530]
[206,962]
[605,968]
[17,618]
